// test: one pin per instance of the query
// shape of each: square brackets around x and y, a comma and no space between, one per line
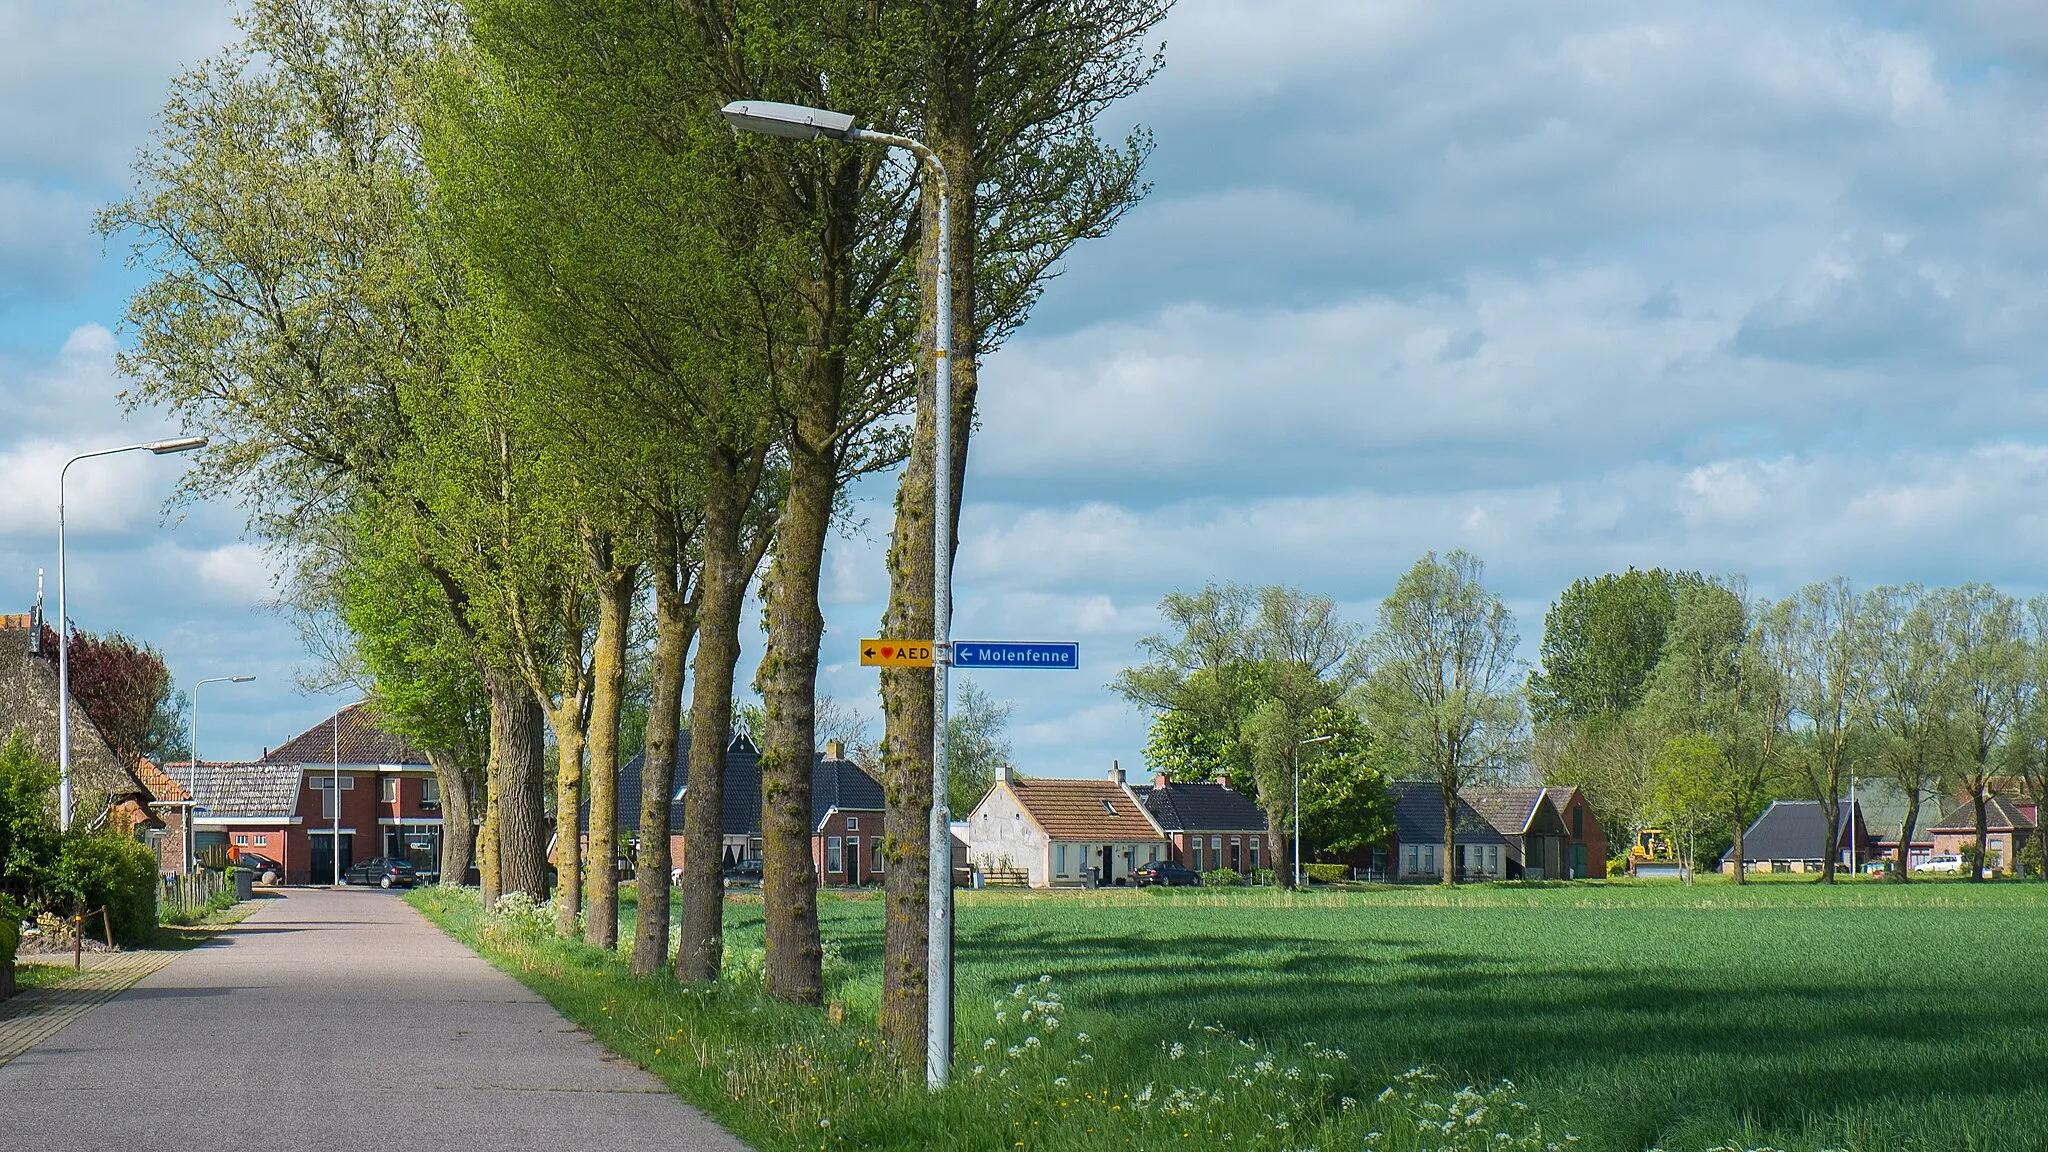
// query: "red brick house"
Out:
[1208,826]
[2008,825]
[282,806]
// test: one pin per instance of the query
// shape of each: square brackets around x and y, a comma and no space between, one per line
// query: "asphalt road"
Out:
[335,1020]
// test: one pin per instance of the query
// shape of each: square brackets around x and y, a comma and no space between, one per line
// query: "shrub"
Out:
[115,873]
[1221,877]
[10,939]
[1328,873]
[1617,867]
[28,817]
[2030,857]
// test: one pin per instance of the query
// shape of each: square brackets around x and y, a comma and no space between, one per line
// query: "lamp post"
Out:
[161,448]
[1850,819]
[1297,798]
[192,777]
[798,122]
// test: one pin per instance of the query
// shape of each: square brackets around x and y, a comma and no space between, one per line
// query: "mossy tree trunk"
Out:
[674,624]
[616,583]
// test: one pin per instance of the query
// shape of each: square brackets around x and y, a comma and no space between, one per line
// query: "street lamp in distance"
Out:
[192,777]
[160,448]
[1298,745]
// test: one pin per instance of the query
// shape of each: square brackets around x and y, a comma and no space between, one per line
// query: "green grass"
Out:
[1865,1017]
[41,975]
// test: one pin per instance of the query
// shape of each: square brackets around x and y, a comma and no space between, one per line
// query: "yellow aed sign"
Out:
[896,653]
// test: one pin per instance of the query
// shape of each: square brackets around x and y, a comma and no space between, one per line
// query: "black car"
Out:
[267,870]
[1168,873]
[745,872]
[383,871]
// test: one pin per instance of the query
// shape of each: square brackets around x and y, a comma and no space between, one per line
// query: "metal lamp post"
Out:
[192,776]
[1297,798]
[798,122]
[161,448]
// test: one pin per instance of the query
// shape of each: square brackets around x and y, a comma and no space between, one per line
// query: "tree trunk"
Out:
[1741,873]
[567,721]
[515,752]
[490,871]
[1281,845]
[1451,835]
[672,628]
[1978,805]
[1905,861]
[700,951]
[615,584]
[1831,814]
[907,703]
[789,690]
[458,831]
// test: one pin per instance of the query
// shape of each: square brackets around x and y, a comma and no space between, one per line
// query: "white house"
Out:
[1065,832]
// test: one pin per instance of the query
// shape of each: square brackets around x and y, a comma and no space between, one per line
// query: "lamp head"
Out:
[791,121]
[240,679]
[181,444]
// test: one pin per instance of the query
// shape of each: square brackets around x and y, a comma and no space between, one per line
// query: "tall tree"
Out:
[1715,694]
[2027,747]
[1912,687]
[1986,632]
[1009,94]
[126,688]
[1201,683]
[1817,639]
[977,746]
[1445,681]
[1601,641]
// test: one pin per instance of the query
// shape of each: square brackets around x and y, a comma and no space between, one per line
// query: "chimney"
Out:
[1223,779]
[1159,780]
[1007,776]
[835,749]
[1116,774]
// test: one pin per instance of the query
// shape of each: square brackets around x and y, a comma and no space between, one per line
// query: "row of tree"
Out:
[523,359]
[1682,700]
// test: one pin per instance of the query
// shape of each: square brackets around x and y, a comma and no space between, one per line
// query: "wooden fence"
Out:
[185,894]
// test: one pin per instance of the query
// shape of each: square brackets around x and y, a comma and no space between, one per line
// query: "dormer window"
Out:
[1109,807]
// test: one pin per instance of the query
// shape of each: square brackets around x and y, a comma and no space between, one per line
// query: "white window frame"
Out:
[834,855]
[853,823]
[388,790]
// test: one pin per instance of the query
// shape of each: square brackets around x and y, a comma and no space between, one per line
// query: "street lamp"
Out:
[798,122]
[192,777]
[1297,798]
[161,448]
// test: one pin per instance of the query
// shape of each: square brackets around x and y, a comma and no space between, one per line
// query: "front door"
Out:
[1577,853]
[323,856]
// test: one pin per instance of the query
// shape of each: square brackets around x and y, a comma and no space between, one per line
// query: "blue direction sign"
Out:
[1015,654]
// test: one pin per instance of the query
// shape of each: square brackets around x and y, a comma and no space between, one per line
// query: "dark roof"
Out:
[1419,816]
[834,784]
[1793,830]
[262,789]
[362,743]
[1201,808]
[28,704]
[2000,812]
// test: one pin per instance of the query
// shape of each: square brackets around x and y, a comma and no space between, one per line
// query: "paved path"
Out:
[34,1015]
[335,1020]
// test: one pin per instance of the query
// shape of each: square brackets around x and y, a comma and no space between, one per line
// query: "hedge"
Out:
[1328,873]
[117,874]
[10,939]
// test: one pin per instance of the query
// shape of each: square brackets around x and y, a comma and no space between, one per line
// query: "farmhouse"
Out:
[1208,825]
[1414,851]
[1792,836]
[1550,833]
[2007,825]
[1065,832]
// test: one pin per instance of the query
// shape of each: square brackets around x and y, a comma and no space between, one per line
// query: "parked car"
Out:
[1941,864]
[267,870]
[383,871]
[1168,873]
[743,872]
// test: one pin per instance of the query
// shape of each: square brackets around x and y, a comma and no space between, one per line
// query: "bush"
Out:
[2030,857]
[1328,873]
[10,939]
[1221,877]
[1617,867]
[115,873]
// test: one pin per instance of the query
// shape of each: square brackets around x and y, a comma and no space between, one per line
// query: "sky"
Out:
[1745,287]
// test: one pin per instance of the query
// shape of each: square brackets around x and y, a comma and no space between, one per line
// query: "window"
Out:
[430,794]
[1253,844]
[853,823]
[1578,822]
[1493,859]
[875,857]
[262,840]
[241,839]
[1196,842]
[833,851]
[1109,808]
[1061,854]
[1236,856]
[1429,859]
[1216,850]
[1411,860]
[390,789]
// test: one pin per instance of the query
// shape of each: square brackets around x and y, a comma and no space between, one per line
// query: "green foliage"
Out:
[29,840]
[1601,641]
[1222,878]
[1344,801]
[976,746]
[10,931]
[1328,873]
[111,872]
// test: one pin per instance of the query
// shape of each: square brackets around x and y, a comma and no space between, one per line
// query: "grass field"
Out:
[1862,1017]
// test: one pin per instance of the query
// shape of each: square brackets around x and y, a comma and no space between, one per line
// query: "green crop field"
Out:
[1633,1016]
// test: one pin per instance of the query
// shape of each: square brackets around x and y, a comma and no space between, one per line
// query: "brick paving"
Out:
[32,1016]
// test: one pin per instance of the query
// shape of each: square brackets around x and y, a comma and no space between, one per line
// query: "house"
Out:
[1065,832]
[1585,843]
[1208,825]
[1550,833]
[846,811]
[2007,825]
[1414,850]
[1883,804]
[284,806]
[1792,836]
[104,790]
[170,801]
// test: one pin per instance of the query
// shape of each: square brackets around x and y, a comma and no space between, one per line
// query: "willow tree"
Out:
[1817,640]
[1008,93]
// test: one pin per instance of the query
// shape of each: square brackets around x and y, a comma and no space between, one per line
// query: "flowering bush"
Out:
[520,912]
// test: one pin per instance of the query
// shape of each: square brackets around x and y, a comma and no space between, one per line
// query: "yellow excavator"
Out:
[1654,856]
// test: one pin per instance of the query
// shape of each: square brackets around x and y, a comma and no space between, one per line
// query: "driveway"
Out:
[335,1019]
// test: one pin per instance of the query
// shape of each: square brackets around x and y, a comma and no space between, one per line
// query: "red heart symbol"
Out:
[887,651]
